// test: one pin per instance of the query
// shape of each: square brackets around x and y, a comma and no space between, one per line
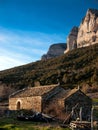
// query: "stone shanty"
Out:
[86,34]
[72,39]
[43,98]
[32,97]
[76,99]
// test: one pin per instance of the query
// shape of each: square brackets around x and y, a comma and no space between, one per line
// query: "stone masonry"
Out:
[51,97]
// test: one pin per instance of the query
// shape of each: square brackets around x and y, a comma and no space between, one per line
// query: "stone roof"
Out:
[33,91]
[71,92]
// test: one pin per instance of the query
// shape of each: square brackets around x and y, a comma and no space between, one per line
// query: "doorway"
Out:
[18,105]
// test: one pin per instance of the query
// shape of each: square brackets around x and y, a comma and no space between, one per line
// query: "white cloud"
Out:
[7,62]
[10,59]
[21,47]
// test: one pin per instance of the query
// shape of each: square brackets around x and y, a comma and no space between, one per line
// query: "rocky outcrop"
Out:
[72,39]
[86,34]
[55,50]
[88,30]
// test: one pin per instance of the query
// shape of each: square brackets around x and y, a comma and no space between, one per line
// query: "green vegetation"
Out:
[95,104]
[95,100]
[79,66]
[12,124]
[96,113]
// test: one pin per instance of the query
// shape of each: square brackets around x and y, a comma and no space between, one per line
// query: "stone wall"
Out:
[33,103]
[54,104]
[50,97]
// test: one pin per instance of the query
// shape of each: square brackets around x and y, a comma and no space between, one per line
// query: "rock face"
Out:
[88,30]
[86,34]
[72,39]
[54,51]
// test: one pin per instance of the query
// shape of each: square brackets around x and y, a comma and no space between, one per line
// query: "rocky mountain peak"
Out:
[88,30]
[72,39]
[74,29]
[54,51]
[86,34]
[93,11]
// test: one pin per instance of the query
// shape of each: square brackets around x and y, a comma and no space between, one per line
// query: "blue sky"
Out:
[29,27]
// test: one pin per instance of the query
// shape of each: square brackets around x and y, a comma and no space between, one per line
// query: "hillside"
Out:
[79,66]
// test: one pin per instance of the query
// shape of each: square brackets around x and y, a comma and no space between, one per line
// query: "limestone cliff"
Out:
[88,30]
[54,51]
[72,39]
[86,34]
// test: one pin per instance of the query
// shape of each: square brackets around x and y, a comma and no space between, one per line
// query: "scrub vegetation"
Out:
[77,67]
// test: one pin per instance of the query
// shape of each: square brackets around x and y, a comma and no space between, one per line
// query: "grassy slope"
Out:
[12,124]
[76,67]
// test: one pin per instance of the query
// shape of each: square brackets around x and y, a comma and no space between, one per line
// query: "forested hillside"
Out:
[77,67]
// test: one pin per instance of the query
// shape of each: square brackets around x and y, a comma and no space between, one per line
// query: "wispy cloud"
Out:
[20,47]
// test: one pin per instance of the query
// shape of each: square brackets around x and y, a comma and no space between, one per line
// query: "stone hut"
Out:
[46,97]
[33,98]
[75,99]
